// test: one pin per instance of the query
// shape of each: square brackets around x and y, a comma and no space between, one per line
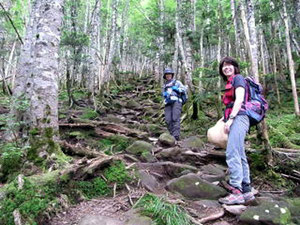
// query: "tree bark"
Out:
[236,27]
[36,81]
[290,59]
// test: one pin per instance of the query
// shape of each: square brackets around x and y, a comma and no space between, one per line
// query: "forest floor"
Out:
[136,114]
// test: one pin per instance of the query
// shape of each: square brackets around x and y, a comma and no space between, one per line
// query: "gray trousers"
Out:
[236,158]
[172,117]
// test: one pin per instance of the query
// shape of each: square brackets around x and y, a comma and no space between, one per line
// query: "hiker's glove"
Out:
[175,88]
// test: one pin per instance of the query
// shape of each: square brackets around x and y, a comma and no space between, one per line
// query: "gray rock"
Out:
[98,220]
[193,187]
[148,181]
[166,139]
[221,223]
[132,104]
[193,142]
[139,147]
[134,218]
[168,153]
[211,173]
[273,213]
[235,209]
[147,157]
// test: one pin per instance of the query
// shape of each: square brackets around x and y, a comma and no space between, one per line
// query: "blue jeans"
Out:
[236,158]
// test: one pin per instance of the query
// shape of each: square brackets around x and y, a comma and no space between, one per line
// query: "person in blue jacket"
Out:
[173,90]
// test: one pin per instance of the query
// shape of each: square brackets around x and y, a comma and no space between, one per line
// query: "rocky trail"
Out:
[187,173]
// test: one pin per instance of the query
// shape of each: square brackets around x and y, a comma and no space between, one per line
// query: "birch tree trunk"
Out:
[236,28]
[201,52]
[262,129]
[184,42]
[253,38]
[246,30]
[290,59]
[112,46]
[94,31]
[36,80]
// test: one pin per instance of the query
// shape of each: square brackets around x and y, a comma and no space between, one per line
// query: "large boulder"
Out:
[269,212]
[192,186]
[193,142]
[166,139]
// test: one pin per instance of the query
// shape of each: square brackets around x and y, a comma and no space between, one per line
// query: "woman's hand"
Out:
[227,126]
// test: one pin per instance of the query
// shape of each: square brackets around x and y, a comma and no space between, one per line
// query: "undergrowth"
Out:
[162,213]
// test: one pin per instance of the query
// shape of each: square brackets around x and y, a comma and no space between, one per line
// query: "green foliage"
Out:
[89,114]
[10,159]
[114,144]
[116,173]
[161,212]
[93,188]
[284,130]
[257,162]
[31,200]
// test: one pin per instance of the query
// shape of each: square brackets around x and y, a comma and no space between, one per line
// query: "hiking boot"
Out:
[248,196]
[232,199]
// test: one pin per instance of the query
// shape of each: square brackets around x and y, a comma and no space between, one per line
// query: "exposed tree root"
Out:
[79,150]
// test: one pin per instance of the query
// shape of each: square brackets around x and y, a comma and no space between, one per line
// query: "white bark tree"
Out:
[290,58]
[36,80]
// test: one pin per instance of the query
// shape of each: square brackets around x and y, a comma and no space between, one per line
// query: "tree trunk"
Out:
[290,59]
[253,38]
[94,31]
[36,80]
[236,28]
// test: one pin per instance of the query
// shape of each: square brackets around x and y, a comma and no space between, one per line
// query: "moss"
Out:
[116,173]
[44,142]
[93,188]
[114,144]
[89,114]
[31,201]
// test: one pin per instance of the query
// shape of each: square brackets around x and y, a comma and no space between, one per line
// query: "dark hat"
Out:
[168,71]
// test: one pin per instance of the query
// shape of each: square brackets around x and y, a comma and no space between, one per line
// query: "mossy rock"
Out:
[273,212]
[193,187]
[132,104]
[166,139]
[294,207]
[147,157]
[139,147]
[193,142]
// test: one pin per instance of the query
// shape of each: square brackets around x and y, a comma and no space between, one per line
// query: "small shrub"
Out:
[11,158]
